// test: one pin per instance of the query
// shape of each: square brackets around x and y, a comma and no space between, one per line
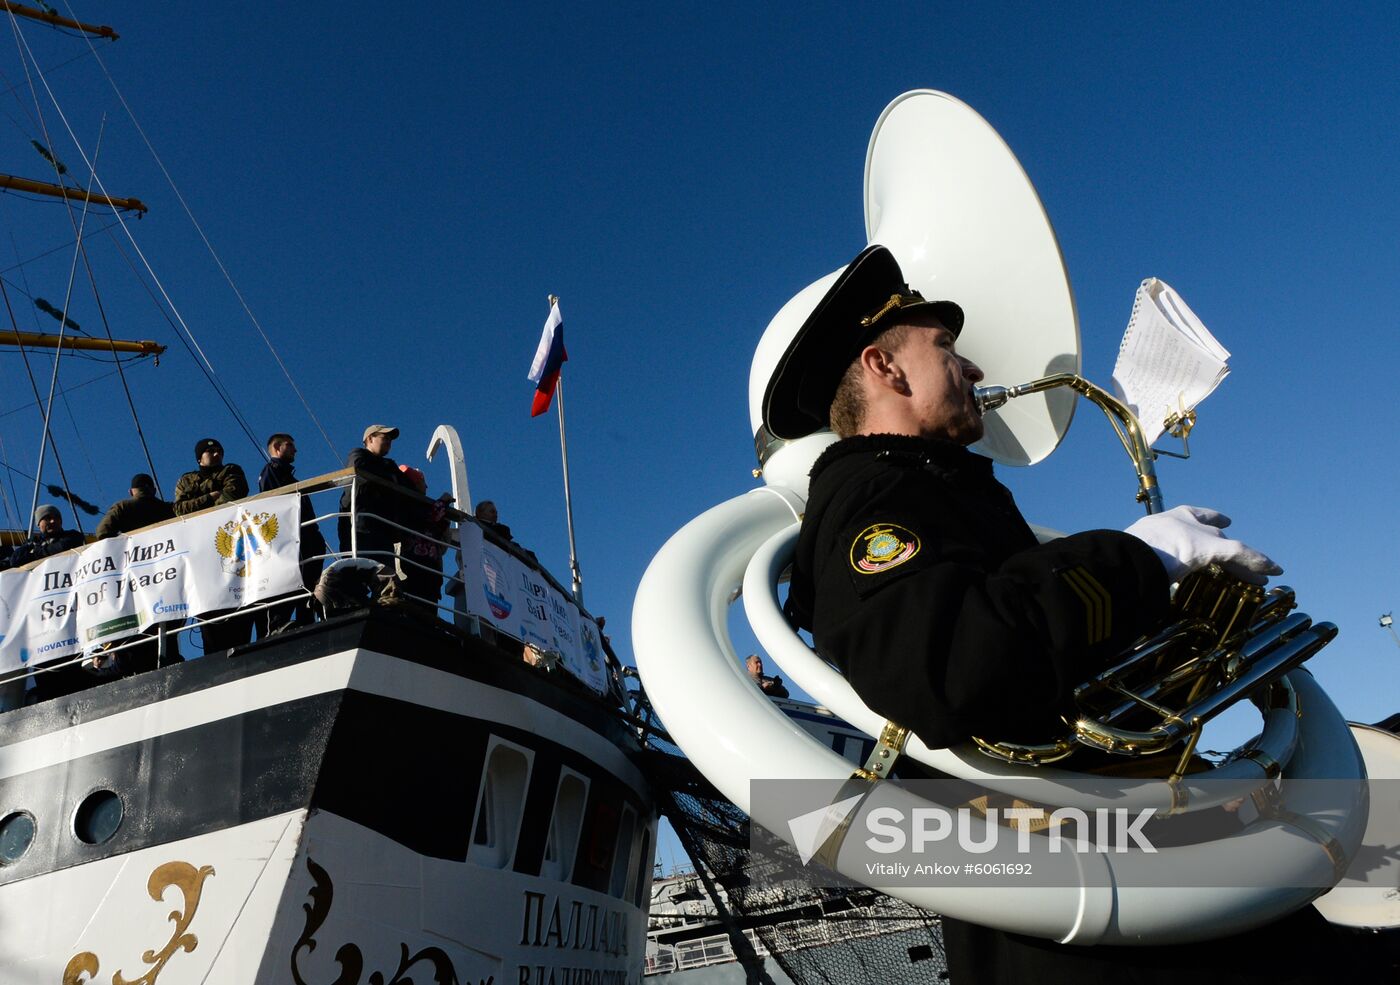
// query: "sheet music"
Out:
[1168,362]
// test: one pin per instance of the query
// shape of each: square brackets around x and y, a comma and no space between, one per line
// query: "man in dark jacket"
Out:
[212,484]
[374,538]
[215,484]
[919,578]
[49,538]
[771,686]
[277,473]
[144,508]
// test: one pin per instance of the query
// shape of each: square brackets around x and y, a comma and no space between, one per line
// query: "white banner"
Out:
[118,587]
[509,594]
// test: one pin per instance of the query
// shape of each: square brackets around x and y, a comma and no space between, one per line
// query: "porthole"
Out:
[16,835]
[98,817]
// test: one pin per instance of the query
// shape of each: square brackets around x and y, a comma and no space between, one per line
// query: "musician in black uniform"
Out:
[919,578]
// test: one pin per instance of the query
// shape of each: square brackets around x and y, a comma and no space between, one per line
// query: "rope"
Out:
[49,252]
[97,482]
[208,245]
[174,327]
[38,402]
[92,170]
[106,327]
[78,228]
[21,408]
[12,517]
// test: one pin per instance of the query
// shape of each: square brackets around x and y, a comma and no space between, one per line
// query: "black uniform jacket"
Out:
[372,498]
[922,582]
[278,473]
[920,579]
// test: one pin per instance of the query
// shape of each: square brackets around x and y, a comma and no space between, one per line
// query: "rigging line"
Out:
[228,278]
[228,401]
[212,380]
[5,461]
[82,447]
[21,408]
[19,85]
[19,472]
[130,402]
[53,384]
[78,227]
[33,386]
[49,252]
[63,64]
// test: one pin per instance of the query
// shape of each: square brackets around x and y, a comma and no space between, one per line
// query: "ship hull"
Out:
[375,798]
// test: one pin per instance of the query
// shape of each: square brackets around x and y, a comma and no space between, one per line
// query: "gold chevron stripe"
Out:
[1090,609]
[1098,604]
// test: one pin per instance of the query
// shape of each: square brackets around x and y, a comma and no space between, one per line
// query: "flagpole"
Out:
[574,569]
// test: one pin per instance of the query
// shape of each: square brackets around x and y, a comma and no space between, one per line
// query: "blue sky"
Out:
[395,191]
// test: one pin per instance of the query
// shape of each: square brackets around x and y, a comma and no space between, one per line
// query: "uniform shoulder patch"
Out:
[882,546]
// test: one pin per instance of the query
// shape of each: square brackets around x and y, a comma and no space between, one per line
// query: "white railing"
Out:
[327,519]
[700,952]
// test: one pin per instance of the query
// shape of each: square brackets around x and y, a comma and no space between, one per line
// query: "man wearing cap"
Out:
[215,483]
[919,578]
[212,484]
[373,538]
[144,508]
[48,538]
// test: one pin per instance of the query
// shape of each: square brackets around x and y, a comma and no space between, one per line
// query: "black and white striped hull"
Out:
[373,799]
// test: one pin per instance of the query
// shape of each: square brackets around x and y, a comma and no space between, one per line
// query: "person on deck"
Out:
[48,538]
[215,483]
[378,507]
[920,580]
[771,686]
[142,509]
[277,473]
[490,520]
[420,555]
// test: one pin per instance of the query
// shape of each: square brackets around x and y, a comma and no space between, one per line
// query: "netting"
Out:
[815,934]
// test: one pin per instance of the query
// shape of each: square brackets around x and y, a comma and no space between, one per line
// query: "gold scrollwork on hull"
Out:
[349,956]
[190,882]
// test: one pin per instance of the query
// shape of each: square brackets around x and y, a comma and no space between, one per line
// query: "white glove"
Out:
[1188,537]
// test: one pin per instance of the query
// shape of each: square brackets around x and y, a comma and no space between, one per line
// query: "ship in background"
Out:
[386,793]
[379,795]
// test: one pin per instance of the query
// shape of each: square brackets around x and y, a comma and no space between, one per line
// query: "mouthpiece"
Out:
[989,398]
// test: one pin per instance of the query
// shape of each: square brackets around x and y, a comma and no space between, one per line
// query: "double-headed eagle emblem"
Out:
[242,540]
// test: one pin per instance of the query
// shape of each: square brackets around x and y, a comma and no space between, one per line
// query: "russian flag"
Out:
[549,359]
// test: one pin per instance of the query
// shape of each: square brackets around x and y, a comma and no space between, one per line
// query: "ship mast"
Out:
[42,340]
[60,341]
[67,191]
[49,17]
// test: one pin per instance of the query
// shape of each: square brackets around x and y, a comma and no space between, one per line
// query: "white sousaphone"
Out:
[945,194]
